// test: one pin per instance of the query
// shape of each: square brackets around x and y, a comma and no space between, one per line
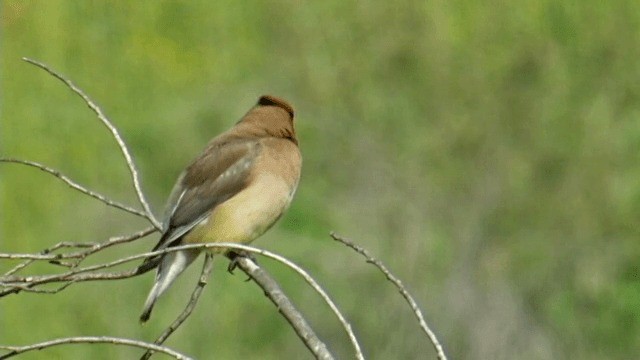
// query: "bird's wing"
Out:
[217,175]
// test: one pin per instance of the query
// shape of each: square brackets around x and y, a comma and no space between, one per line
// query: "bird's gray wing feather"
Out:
[217,175]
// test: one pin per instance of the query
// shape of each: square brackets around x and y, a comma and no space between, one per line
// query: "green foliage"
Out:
[488,152]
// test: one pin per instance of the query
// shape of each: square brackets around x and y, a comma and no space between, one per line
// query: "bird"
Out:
[234,191]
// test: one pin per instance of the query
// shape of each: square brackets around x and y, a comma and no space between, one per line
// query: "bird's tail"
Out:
[172,265]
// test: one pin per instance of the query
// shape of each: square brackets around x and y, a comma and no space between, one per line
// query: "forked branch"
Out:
[70,256]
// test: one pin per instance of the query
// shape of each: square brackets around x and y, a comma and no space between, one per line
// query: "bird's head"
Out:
[271,116]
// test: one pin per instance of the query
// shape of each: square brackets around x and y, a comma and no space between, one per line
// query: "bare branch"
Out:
[398,284]
[116,135]
[16,350]
[93,247]
[84,274]
[285,307]
[345,324]
[57,259]
[27,283]
[28,288]
[74,185]
[18,267]
[204,277]
[96,247]
[13,283]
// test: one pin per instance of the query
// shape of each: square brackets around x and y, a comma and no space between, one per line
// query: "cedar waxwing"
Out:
[233,192]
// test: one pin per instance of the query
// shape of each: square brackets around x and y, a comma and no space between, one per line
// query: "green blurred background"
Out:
[487,152]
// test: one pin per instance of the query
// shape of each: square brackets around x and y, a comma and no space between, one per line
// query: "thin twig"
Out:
[285,307]
[14,287]
[15,350]
[116,135]
[74,185]
[79,256]
[96,247]
[93,248]
[204,277]
[18,267]
[398,284]
[27,288]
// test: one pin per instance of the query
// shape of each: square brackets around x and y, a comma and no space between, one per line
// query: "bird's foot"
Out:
[234,255]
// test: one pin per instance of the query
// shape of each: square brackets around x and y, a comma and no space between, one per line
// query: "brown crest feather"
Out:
[270,100]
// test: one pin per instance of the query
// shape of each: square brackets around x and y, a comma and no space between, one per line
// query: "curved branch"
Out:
[116,135]
[398,284]
[16,350]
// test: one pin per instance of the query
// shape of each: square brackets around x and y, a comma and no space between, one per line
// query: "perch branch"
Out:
[285,307]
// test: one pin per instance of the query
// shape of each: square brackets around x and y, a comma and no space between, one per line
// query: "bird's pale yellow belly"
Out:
[247,215]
